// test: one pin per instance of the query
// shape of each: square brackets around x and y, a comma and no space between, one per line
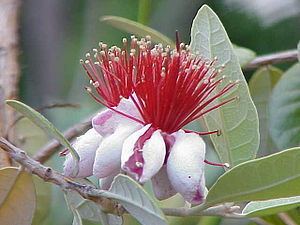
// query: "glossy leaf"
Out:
[17,197]
[270,177]
[261,86]
[270,207]
[136,28]
[44,124]
[135,200]
[209,38]
[285,109]
[244,55]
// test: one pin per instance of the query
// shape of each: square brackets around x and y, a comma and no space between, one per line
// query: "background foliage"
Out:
[55,34]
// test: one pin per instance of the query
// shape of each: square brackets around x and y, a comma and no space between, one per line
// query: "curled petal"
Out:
[86,146]
[185,166]
[143,153]
[108,155]
[161,185]
[107,121]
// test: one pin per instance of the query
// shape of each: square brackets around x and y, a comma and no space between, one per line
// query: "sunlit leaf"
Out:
[270,177]
[285,109]
[244,55]
[44,124]
[17,197]
[139,29]
[270,207]
[237,120]
[261,86]
[135,200]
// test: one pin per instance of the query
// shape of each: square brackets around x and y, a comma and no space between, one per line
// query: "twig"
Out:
[274,58]
[228,210]
[49,149]
[95,195]
[52,176]
[286,219]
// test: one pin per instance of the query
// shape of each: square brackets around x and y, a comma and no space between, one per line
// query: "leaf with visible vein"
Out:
[270,177]
[135,200]
[237,120]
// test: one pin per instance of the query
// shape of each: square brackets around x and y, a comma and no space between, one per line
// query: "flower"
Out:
[151,93]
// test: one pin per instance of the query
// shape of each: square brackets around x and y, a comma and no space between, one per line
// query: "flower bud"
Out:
[86,146]
[185,166]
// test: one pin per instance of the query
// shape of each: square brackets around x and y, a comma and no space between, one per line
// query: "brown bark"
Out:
[9,67]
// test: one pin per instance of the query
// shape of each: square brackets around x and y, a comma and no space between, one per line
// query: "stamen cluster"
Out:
[170,88]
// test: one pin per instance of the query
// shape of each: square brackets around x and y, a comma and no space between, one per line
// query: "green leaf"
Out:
[285,109]
[237,120]
[17,196]
[244,55]
[261,86]
[298,48]
[77,220]
[44,124]
[136,28]
[270,177]
[135,200]
[270,207]
[89,210]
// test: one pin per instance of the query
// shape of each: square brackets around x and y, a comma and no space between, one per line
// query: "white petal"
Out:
[105,183]
[108,155]
[146,160]
[108,120]
[185,166]
[85,146]
[161,185]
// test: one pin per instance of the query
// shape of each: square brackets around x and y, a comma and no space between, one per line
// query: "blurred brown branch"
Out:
[273,58]
[9,66]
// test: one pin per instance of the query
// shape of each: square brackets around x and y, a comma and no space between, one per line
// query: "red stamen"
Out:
[169,88]
[217,164]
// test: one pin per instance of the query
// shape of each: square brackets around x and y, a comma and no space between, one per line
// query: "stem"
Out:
[95,195]
[144,11]
[286,219]
[273,58]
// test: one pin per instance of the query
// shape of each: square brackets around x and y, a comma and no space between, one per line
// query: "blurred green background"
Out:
[55,34]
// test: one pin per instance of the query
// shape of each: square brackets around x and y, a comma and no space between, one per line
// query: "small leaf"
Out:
[77,220]
[285,109]
[89,210]
[261,86]
[237,120]
[270,207]
[17,196]
[135,200]
[274,176]
[44,124]
[136,28]
[244,55]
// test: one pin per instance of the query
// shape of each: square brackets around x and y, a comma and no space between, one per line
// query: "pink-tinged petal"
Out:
[105,183]
[86,146]
[143,153]
[108,120]
[185,166]
[161,185]
[108,155]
